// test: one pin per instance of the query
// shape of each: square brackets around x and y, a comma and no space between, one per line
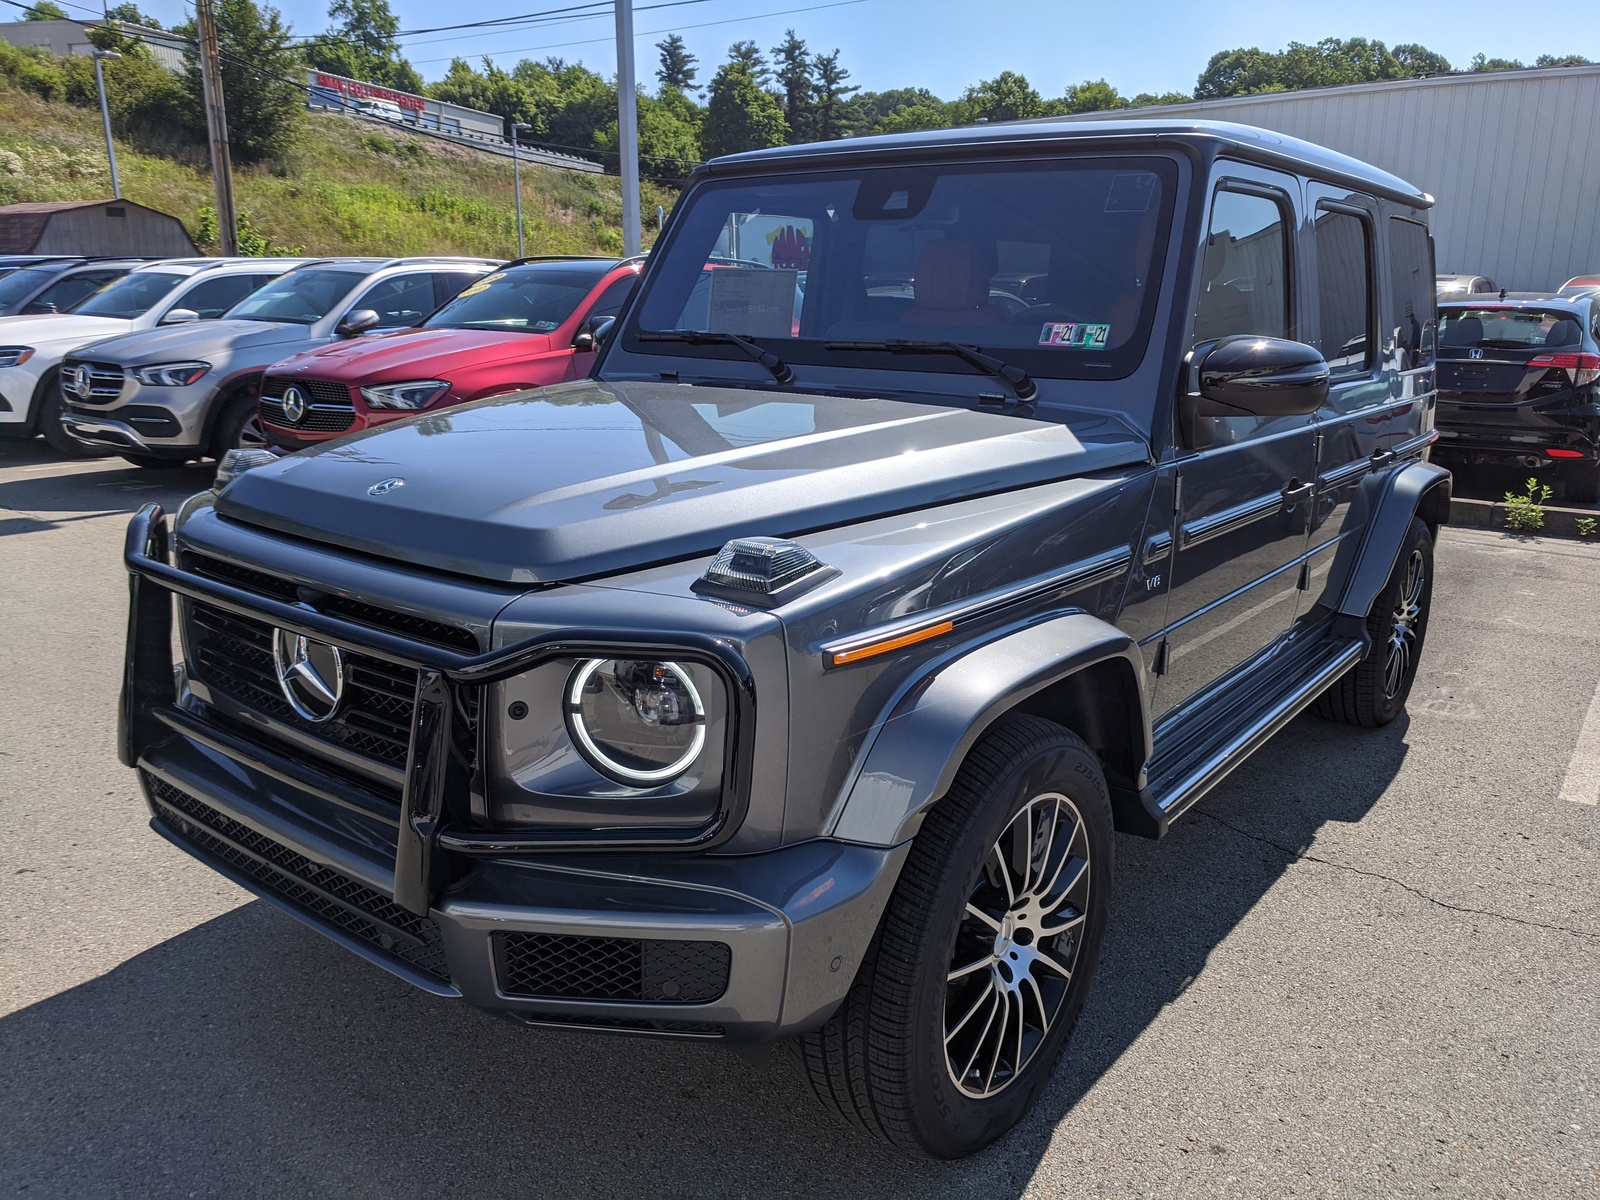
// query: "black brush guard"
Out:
[437,777]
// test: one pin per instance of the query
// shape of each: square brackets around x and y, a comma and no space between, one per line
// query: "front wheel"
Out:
[1374,691]
[238,427]
[975,980]
[48,398]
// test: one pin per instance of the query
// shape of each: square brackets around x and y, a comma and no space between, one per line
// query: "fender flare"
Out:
[1419,489]
[928,731]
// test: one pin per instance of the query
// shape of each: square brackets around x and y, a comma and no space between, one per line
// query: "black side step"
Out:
[1217,730]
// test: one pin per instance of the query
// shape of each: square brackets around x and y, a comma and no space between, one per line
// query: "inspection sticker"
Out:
[1076,335]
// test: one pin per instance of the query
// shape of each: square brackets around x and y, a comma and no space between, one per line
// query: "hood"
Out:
[592,478]
[264,340]
[413,354]
[62,329]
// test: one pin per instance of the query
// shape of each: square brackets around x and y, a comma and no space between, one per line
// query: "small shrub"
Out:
[1585,526]
[1525,513]
[377,143]
[253,242]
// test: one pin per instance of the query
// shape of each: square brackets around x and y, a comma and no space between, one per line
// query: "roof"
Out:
[1519,300]
[1061,133]
[22,225]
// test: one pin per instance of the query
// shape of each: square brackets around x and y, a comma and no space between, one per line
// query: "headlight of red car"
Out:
[418,393]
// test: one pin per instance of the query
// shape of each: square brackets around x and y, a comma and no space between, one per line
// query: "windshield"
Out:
[1508,328]
[129,297]
[524,299]
[299,298]
[17,284]
[1047,266]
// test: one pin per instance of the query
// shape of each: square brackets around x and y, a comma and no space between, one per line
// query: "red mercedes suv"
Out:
[527,325]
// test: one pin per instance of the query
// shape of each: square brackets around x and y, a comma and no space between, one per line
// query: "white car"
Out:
[169,292]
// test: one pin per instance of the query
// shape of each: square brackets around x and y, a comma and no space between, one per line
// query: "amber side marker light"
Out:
[839,657]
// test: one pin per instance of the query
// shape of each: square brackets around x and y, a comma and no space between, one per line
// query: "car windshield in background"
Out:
[15,286]
[1508,328]
[523,300]
[298,298]
[129,297]
[1053,267]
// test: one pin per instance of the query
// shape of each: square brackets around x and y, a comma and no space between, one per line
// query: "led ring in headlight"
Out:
[640,722]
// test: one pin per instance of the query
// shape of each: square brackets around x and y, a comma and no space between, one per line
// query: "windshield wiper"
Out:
[1019,379]
[704,337]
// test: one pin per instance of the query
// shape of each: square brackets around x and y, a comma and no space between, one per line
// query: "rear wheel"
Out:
[47,403]
[1374,691]
[975,980]
[238,426]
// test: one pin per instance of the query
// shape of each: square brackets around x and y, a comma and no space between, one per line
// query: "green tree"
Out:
[260,79]
[748,55]
[1144,99]
[1006,97]
[1562,60]
[1092,95]
[361,44]
[1327,63]
[677,70]
[797,89]
[1416,61]
[911,118]
[669,135]
[833,107]
[493,90]
[45,10]
[1480,63]
[740,115]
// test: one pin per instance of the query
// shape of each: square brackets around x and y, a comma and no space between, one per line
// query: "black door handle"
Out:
[1294,492]
[1381,459]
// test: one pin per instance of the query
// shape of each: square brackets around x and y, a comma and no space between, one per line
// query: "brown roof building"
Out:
[93,227]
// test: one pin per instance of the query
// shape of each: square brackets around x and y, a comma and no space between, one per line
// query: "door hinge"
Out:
[1304,583]
[1177,493]
[1163,658]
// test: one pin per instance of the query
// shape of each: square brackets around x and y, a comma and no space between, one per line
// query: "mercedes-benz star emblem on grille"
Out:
[310,673]
[294,404]
[384,486]
[79,381]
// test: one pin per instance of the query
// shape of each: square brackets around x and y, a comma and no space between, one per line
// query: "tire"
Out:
[47,403]
[1374,691]
[238,425]
[1583,484]
[942,962]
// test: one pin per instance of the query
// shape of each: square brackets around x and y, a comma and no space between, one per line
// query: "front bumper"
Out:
[160,421]
[748,947]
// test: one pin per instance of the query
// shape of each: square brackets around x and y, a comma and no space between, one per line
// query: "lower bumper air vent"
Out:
[562,967]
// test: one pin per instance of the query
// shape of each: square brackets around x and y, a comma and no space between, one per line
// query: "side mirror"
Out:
[180,316]
[359,321]
[594,334]
[1245,375]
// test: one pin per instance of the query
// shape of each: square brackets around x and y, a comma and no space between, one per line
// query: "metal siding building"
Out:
[93,227]
[1513,158]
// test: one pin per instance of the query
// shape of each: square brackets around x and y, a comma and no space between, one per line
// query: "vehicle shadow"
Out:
[50,490]
[250,1055]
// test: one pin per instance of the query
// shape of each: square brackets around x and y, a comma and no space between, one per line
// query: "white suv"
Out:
[171,292]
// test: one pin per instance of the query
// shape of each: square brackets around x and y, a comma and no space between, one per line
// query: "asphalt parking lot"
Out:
[1365,965]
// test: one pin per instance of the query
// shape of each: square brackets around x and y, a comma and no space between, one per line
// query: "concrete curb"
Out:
[1491,514]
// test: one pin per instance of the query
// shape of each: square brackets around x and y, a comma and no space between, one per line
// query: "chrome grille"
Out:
[105,381]
[330,411]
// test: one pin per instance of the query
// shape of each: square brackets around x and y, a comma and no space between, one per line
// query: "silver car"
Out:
[167,396]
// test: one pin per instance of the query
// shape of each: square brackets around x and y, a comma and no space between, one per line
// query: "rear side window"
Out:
[1245,285]
[214,297]
[62,295]
[1413,304]
[612,299]
[1344,291]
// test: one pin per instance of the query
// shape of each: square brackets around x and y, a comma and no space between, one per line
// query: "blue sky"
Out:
[1156,46]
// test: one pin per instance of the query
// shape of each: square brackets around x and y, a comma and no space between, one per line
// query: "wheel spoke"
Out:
[963,972]
[999,1041]
[1078,873]
[1004,873]
[992,922]
[1066,857]
[1038,998]
[988,993]
[977,1047]
[1051,963]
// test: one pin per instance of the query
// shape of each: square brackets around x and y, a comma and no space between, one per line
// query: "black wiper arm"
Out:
[705,337]
[1019,379]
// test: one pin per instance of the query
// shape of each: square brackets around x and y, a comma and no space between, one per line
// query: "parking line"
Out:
[1582,784]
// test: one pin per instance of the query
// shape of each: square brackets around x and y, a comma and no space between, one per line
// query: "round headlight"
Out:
[639,722]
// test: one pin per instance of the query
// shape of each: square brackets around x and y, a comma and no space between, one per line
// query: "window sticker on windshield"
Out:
[1075,335]
[752,301]
[481,286]
[1131,193]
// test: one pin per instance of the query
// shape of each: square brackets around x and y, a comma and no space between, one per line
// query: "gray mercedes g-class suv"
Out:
[939,504]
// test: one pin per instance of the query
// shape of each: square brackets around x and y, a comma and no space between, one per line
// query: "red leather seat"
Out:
[951,287]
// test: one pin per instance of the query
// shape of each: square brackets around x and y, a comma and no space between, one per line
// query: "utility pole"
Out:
[105,116]
[628,129]
[516,174]
[217,127]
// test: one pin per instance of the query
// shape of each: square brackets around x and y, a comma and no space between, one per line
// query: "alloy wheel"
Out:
[1017,946]
[1402,647]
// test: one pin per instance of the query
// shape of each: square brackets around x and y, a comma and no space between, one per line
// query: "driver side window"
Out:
[1245,286]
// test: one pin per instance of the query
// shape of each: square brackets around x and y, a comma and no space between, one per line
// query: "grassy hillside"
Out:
[347,187]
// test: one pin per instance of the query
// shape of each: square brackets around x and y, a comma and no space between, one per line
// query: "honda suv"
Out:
[1519,384]
[171,395]
[529,324]
[787,678]
[176,291]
